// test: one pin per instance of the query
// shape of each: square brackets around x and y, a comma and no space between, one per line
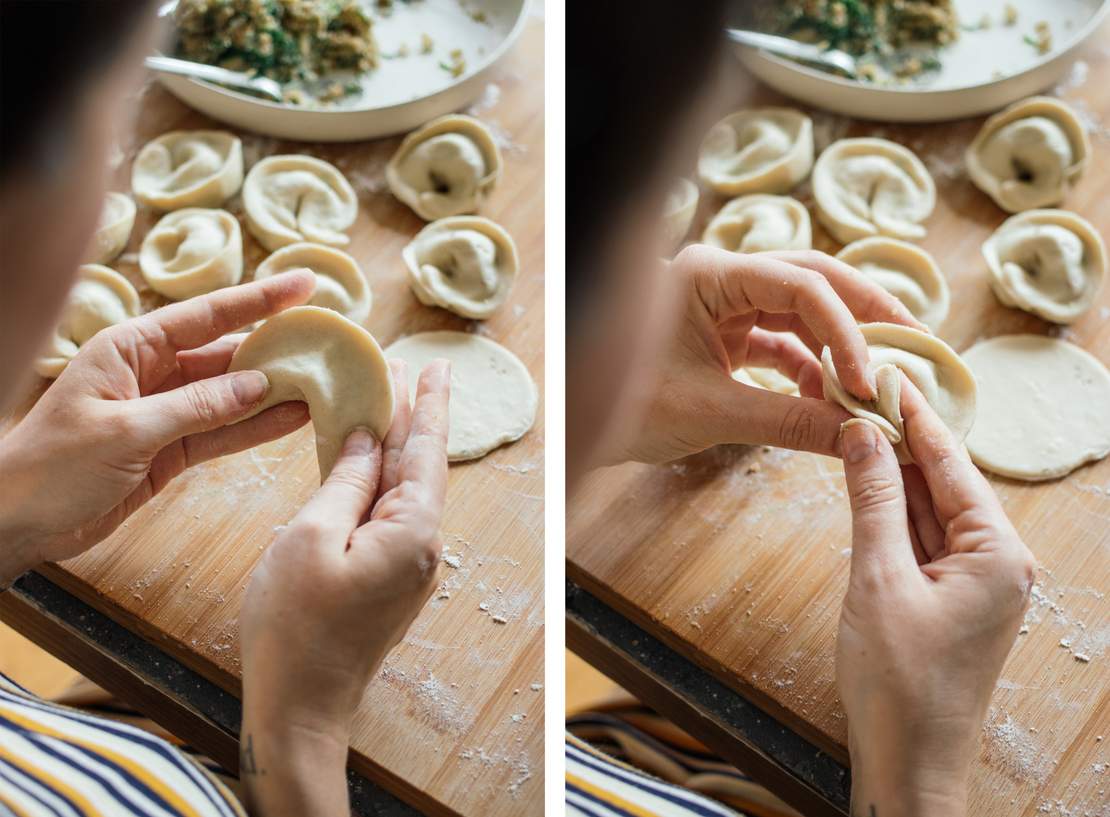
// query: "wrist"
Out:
[19,541]
[291,769]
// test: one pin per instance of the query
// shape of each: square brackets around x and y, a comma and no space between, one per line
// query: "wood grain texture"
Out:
[451,723]
[737,557]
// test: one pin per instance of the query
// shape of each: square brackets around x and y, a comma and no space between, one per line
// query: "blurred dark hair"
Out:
[49,52]
[633,71]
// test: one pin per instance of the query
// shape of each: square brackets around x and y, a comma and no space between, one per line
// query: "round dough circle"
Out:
[759,223]
[493,396]
[295,198]
[446,168]
[340,284]
[765,150]
[904,270]
[1048,262]
[464,264]
[100,298]
[678,213]
[1044,407]
[188,168]
[866,187]
[192,251]
[1029,154]
[931,365]
[316,355]
[114,228]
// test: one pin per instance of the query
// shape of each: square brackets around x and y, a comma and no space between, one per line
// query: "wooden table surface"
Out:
[737,558]
[453,723]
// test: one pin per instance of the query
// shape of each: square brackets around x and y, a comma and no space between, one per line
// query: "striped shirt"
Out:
[56,761]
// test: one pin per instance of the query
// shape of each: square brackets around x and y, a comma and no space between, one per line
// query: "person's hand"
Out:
[334,592]
[141,402]
[939,582]
[740,311]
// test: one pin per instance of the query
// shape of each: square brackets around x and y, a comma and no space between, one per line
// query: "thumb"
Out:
[202,405]
[880,524]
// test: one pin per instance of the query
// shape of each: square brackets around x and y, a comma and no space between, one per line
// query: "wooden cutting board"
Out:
[737,557]
[454,721]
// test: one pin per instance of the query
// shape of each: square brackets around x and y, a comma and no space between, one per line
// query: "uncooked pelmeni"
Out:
[493,397]
[445,168]
[295,198]
[100,298]
[1044,407]
[465,264]
[114,228]
[678,213]
[757,223]
[188,168]
[317,356]
[866,187]
[340,284]
[1048,262]
[192,251]
[766,150]
[1028,155]
[938,372]
[766,378]
[905,271]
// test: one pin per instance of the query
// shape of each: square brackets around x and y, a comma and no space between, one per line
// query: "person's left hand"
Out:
[739,311]
[141,402]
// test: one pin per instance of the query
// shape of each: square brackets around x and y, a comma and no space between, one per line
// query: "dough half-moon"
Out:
[1044,407]
[493,396]
[196,168]
[758,223]
[465,264]
[1048,262]
[192,251]
[1029,154]
[295,198]
[904,270]
[938,372]
[446,168]
[100,298]
[765,150]
[866,187]
[114,228]
[678,213]
[317,356]
[340,283]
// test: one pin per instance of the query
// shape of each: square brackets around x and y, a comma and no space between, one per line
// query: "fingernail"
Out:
[857,440]
[360,441]
[249,387]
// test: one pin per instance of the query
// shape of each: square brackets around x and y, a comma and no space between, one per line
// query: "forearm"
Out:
[18,553]
[288,770]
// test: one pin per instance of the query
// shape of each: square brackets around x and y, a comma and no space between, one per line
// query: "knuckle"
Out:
[351,476]
[204,402]
[310,529]
[798,429]
[873,491]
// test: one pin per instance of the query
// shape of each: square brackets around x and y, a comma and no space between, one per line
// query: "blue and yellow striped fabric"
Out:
[56,761]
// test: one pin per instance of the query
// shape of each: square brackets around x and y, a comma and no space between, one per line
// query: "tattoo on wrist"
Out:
[247,764]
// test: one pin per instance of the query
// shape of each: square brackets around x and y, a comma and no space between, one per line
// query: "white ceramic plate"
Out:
[983,71]
[401,94]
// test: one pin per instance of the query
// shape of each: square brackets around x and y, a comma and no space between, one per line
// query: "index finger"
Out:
[200,320]
[424,459]
[868,301]
[730,284]
[954,482]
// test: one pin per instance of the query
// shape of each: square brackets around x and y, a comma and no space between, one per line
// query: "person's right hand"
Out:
[333,594]
[939,582]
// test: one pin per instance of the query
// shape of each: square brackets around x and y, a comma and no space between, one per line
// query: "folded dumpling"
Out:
[340,283]
[294,198]
[465,264]
[678,213]
[765,150]
[114,228]
[194,168]
[1048,262]
[904,270]
[760,222]
[866,187]
[192,251]
[1027,155]
[445,168]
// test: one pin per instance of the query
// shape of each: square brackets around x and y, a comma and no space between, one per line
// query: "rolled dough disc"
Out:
[493,396]
[1044,407]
